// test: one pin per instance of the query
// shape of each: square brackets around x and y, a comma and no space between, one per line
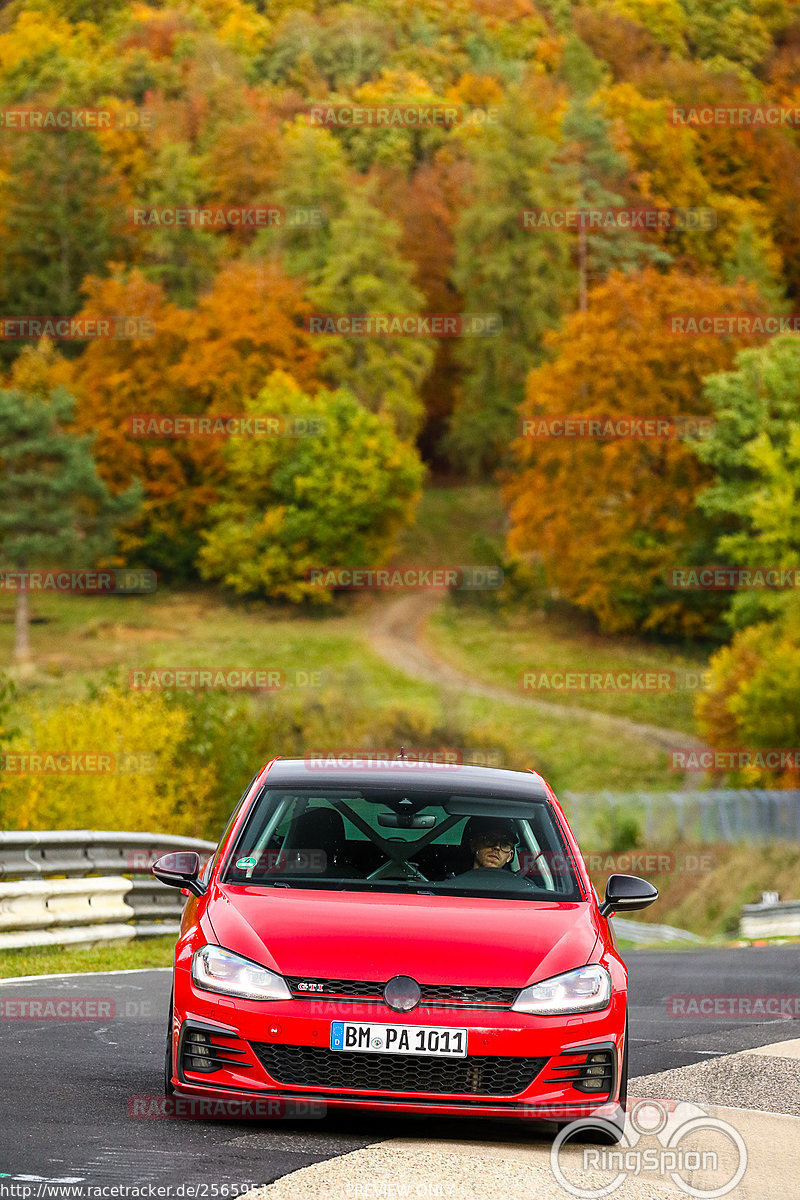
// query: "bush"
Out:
[149,782]
[337,498]
[751,700]
[618,830]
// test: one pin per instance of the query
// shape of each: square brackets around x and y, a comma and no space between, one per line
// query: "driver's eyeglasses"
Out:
[490,844]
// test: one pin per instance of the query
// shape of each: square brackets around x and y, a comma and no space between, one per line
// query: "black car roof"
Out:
[487,782]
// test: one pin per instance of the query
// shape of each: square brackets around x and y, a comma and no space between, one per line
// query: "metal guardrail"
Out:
[67,886]
[715,815]
[776,919]
[642,933]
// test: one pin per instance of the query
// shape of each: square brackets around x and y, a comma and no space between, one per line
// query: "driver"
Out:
[492,842]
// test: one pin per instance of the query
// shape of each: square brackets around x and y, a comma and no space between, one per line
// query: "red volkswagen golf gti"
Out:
[400,936]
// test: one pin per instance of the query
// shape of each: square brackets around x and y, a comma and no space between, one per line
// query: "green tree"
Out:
[751,697]
[523,275]
[179,257]
[754,449]
[60,216]
[593,172]
[335,497]
[313,175]
[366,274]
[54,508]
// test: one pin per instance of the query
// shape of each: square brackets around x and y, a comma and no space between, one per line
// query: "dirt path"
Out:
[396,632]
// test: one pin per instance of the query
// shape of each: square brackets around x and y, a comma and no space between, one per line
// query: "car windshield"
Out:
[403,841]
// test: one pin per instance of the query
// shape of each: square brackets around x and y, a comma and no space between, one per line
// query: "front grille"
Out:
[439,995]
[315,1066]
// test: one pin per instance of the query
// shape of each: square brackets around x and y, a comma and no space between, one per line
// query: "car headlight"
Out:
[584,990]
[218,970]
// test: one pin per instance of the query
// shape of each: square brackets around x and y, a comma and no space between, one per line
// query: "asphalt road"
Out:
[65,1087]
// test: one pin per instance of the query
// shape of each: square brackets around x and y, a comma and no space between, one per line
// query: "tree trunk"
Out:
[22,620]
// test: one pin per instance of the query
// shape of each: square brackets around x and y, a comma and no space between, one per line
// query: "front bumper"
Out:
[516,1066]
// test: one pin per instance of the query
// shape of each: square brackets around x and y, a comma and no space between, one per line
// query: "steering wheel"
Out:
[484,876]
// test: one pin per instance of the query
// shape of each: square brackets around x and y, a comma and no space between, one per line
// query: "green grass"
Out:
[448,520]
[79,642]
[710,902]
[84,639]
[500,647]
[109,956]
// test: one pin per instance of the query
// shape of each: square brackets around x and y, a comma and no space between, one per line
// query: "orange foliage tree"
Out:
[609,518]
[206,360]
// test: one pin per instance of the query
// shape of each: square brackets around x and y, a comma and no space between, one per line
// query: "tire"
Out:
[592,1131]
[169,1090]
[606,1130]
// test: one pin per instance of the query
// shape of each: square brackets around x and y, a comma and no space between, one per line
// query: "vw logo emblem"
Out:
[402,993]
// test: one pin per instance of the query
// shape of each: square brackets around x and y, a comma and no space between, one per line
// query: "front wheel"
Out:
[169,1090]
[604,1130]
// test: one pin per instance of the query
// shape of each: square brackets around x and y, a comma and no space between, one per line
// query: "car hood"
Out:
[449,940]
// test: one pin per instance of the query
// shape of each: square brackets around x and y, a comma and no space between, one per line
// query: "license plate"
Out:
[398,1039]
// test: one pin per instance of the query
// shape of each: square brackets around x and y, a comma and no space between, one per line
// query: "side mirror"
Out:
[627,893]
[180,869]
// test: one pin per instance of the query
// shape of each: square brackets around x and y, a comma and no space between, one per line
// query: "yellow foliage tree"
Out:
[154,785]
